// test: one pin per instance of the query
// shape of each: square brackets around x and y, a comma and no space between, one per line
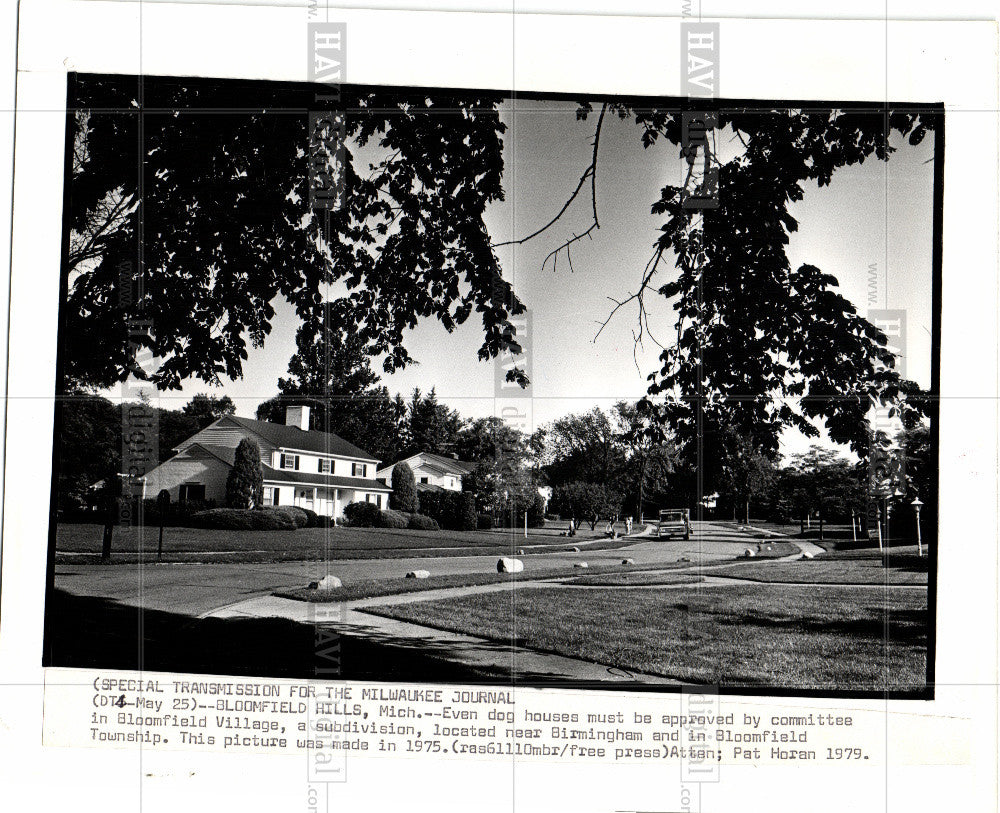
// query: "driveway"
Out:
[197,589]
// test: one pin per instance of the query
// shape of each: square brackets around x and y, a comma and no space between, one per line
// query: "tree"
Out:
[219,213]
[746,472]
[647,463]
[581,447]
[404,488]
[331,373]
[589,501]
[759,347]
[821,482]
[245,484]
[433,426]
[205,409]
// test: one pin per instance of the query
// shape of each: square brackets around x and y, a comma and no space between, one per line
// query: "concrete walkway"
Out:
[467,650]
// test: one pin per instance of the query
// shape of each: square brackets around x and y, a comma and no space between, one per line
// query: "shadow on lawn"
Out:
[94,632]
[906,627]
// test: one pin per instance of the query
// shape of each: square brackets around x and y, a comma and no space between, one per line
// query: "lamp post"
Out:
[917,505]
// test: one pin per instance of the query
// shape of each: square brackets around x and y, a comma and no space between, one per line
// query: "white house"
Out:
[431,471]
[302,467]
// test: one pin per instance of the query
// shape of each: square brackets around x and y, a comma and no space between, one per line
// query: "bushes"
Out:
[362,514]
[243,519]
[454,510]
[536,513]
[484,522]
[298,516]
[312,517]
[404,488]
[393,519]
[421,522]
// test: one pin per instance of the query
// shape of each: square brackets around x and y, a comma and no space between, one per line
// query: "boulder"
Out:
[520,551]
[807,554]
[328,582]
[628,561]
[575,549]
[580,564]
[749,553]
[418,574]
[505,565]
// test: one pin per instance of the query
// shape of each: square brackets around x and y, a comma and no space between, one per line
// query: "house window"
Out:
[325,466]
[270,495]
[425,479]
[290,461]
[374,498]
[359,470]
[191,492]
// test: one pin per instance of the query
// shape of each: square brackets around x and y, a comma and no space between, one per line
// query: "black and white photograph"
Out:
[542,389]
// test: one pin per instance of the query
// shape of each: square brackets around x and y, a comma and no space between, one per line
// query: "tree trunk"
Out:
[748,511]
[109,528]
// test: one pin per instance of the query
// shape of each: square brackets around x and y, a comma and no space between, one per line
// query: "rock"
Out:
[505,565]
[628,561]
[520,551]
[749,553]
[575,549]
[418,574]
[684,559]
[581,564]
[326,583]
[807,554]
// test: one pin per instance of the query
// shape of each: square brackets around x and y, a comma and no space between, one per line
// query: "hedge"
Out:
[243,519]
[393,519]
[421,522]
[361,514]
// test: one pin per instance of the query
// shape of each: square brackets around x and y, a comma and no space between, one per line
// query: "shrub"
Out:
[484,522]
[467,519]
[312,517]
[421,522]
[404,488]
[245,483]
[536,513]
[243,519]
[297,516]
[392,519]
[361,514]
[223,519]
[273,519]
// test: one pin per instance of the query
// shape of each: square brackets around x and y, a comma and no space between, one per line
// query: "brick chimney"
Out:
[297,416]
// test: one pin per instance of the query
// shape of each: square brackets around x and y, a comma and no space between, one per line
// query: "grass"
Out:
[82,542]
[636,579]
[777,550]
[373,588]
[837,638]
[842,567]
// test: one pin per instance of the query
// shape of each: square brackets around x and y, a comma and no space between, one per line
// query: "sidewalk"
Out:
[349,619]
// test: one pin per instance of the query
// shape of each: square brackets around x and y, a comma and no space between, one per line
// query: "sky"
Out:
[871,228]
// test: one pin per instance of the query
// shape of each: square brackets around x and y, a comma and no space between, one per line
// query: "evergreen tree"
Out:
[404,488]
[245,484]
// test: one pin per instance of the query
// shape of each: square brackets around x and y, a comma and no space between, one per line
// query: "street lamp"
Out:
[917,505]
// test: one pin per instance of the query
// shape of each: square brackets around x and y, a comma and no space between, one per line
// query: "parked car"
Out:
[674,522]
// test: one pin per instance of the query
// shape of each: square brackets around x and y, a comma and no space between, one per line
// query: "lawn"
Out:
[846,567]
[635,578]
[373,588]
[742,636]
[79,541]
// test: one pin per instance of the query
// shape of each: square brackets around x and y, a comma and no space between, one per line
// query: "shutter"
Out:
[296,462]
[320,465]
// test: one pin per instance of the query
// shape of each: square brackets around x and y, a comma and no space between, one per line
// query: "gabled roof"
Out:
[228,456]
[305,440]
[440,463]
